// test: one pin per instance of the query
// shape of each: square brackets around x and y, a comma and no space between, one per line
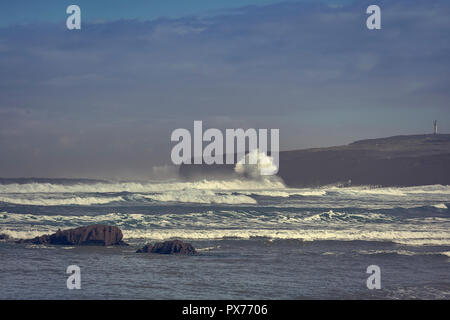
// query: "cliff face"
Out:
[394,161]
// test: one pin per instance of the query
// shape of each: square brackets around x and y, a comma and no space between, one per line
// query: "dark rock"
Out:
[169,247]
[97,235]
[4,236]
[145,249]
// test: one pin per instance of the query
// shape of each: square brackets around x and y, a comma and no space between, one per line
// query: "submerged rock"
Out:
[145,249]
[4,236]
[94,235]
[169,247]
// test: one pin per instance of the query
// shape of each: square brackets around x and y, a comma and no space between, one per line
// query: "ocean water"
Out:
[257,239]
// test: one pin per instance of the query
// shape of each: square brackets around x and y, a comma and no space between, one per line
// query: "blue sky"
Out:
[102,102]
[32,11]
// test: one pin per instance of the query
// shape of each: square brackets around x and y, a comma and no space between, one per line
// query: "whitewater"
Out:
[260,228]
[217,209]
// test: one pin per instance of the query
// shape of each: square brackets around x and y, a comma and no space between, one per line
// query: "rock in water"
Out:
[95,235]
[145,249]
[169,247]
[4,236]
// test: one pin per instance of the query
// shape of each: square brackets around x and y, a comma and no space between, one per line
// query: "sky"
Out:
[32,11]
[101,102]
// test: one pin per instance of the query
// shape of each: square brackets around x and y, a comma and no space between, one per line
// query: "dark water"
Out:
[255,241]
[233,269]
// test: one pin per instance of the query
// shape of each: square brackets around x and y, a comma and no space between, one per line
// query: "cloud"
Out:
[115,90]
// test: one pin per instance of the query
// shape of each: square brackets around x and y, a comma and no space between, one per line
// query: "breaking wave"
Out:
[212,225]
[266,183]
[227,192]
[197,196]
[440,206]
[405,252]
[45,201]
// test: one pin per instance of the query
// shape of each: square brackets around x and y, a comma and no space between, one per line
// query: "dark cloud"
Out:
[102,102]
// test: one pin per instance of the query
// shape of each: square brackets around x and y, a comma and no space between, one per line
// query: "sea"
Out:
[256,239]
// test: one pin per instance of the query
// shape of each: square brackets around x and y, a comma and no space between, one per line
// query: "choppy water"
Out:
[257,239]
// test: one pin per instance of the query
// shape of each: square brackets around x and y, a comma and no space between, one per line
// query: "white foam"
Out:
[445,253]
[208,248]
[198,196]
[393,191]
[286,192]
[25,234]
[45,201]
[268,193]
[227,192]
[266,183]
[280,234]
[403,252]
[401,237]
[440,206]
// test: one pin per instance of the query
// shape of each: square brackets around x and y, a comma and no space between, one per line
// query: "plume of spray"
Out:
[256,164]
